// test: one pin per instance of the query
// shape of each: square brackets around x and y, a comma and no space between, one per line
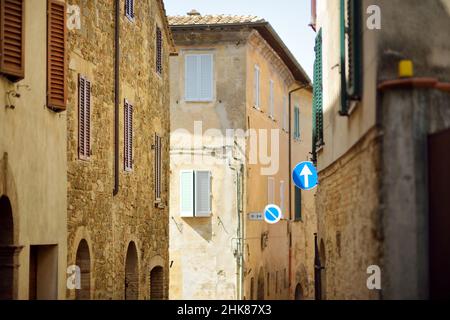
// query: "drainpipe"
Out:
[116,96]
[290,179]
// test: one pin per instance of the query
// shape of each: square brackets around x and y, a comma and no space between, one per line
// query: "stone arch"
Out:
[131,291]
[83,261]
[298,292]
[260,289]
[81,234]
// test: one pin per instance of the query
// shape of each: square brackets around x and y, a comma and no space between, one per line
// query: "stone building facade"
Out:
[118,168]
[217,253]
[381,137]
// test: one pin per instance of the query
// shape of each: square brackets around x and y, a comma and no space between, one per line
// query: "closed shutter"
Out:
[84,118]
[206,77]
[158,167]
[256,88]
[190,81]
[56,55]
[128,136]
[317,96]
[158,50]
[202,193]
[12,39]
[129,9]
[199,77]
[270,190]
[271,100]
[298,203]
[187,193]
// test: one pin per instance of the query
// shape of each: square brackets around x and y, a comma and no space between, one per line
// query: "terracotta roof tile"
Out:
[212,19]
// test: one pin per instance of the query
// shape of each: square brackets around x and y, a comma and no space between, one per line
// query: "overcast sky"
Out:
[290,18]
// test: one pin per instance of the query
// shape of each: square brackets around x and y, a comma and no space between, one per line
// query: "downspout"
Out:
[116,96]
[290,179]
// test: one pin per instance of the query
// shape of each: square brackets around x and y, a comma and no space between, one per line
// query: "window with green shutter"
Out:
[298,204]
[351,53]
[317,97]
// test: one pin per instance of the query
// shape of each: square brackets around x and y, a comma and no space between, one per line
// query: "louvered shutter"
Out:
[206,77]
[158,50]
[202,193]
[12,39]
[191,83]
[271,99]
[56,55]
[317,96]
[158,167]
[129,9]
[187,194]
[256,88]
[84,116]
[128,137]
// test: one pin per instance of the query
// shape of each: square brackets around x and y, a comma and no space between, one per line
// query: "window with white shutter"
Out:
[199,77]
[128,136]
[129,9]
[84,118]
[256,88]
[270,190]
[195,193]
[158,167]
[271,100]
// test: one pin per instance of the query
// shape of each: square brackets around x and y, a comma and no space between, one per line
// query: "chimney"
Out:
[193,12]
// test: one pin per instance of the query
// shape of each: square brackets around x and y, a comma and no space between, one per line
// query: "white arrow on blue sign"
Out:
[272,214]
[305,176]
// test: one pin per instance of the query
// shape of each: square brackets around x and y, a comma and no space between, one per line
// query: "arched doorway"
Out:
[323,275]
[7,250]
[83,261]
[298,292]
[157,283]
[131,273]
[260,293]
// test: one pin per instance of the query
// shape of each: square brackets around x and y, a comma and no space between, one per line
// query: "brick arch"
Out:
[131,289]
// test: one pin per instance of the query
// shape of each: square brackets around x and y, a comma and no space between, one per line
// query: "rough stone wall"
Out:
[348,220]
[110,223]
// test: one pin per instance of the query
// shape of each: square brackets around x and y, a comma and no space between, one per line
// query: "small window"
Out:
[296,122]
[12,24]
[129,9]
[84,118]
[199,77]
[159,43]
[270,190]
[195,193]
[158,166]
[271,100]
[298,204]
[128,136]
[256,88]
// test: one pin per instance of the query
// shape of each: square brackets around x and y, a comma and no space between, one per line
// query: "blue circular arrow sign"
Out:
[305,175]
[272,214]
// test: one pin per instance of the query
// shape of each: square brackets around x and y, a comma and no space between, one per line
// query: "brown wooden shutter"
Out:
[12,25]
[158,163]
[84,123]
[56,55]
[158,50]
[128,138]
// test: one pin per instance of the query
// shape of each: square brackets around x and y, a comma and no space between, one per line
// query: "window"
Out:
[199,77]
[84,118]
[195,193]
[285,114]
[270,190]
[282,197]
[317,97]
[56,55]
[158,51]
[271,100]
[129,9]
[256,88]
[158,166]
[12,43]
[298,204]
[128,137]
[351,53]
[296,122]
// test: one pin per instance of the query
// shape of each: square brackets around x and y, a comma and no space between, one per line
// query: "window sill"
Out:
[198,101]
[159,204]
